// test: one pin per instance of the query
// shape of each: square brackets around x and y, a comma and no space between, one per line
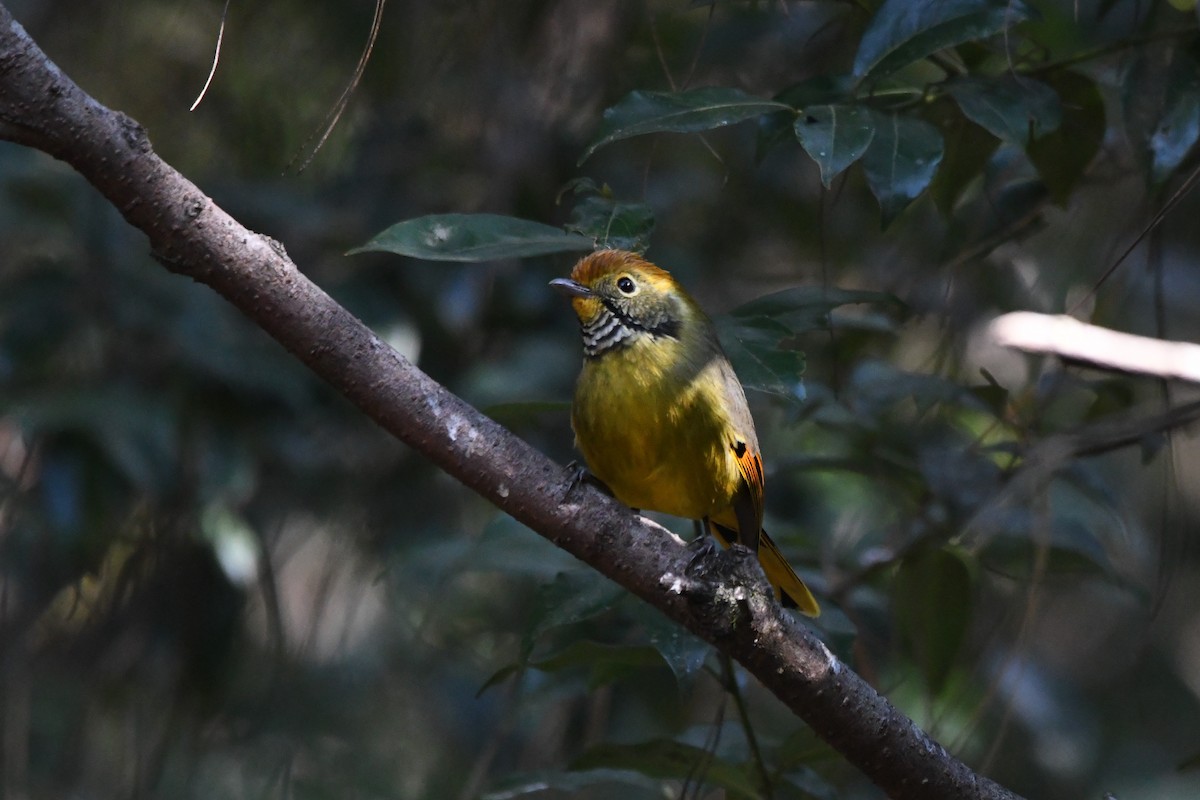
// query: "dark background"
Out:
[220,580]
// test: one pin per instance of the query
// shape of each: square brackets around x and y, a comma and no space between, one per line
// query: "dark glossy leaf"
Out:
[992,394]
[878,385]
[606,662]
[968,148]
[901,161]
[1014,108]
[835,136]
[904,31]
[473,237]
[779,128]
[663,758]
[755,348]
[508,546]
[684,653]
[1062,155]
[690,111]
[609,223]
[1179,126]
[570,598]
[803,309]
[1007,205]
[933,606]
[757,335]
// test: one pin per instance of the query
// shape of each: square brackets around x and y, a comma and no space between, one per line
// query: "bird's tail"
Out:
[789,589]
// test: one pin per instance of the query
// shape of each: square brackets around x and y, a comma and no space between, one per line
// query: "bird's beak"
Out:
[571,288]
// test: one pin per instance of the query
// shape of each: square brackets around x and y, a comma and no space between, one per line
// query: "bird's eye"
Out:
[625,284]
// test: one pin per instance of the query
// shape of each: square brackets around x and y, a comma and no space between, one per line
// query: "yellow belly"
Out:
[657,440]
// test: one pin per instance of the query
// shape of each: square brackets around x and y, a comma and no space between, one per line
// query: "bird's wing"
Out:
[748,503]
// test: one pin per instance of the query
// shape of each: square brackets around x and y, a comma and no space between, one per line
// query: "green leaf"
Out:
[509,547]
[968,148]
[1015,109]
[933,607]
[761,360]
[620,782]
[758,335]
[473,237]
[803,309]
[677,112]
[1062,155]
[901,161]
[778,128]
[663,758]
[570,598]
[880,386]
[607,662]
[609,223]
[904,31]
[835,136]
[1179,126]
[684,653]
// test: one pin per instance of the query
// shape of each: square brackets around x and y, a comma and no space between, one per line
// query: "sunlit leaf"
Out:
[904,31]
[835,136]
[690,111]
[663,758]
[901,161]
[1014,108]
[473,237]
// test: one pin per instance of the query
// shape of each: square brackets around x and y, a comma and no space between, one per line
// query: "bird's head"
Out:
[621,298]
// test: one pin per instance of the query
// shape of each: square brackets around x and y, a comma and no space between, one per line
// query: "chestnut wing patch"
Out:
[749,502]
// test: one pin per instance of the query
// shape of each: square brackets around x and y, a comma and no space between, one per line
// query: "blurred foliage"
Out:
[220,581]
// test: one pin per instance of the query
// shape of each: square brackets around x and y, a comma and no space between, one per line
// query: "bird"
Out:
[659,415]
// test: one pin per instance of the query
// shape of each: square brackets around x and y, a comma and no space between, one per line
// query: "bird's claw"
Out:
[581,475]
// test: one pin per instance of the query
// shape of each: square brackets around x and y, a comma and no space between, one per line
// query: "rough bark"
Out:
[42,108]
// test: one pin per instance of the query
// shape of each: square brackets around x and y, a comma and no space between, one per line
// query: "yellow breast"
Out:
[652,426]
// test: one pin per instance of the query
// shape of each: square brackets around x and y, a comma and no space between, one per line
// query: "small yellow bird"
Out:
[659,415]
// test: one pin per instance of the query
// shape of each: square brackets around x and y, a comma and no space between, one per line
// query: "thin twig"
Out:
[1168,206]
[216,57]
[335,113]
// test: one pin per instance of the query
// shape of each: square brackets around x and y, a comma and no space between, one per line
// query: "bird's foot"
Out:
[581,475]
[720,584]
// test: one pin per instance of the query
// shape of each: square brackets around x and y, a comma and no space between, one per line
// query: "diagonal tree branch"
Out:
[42,108]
